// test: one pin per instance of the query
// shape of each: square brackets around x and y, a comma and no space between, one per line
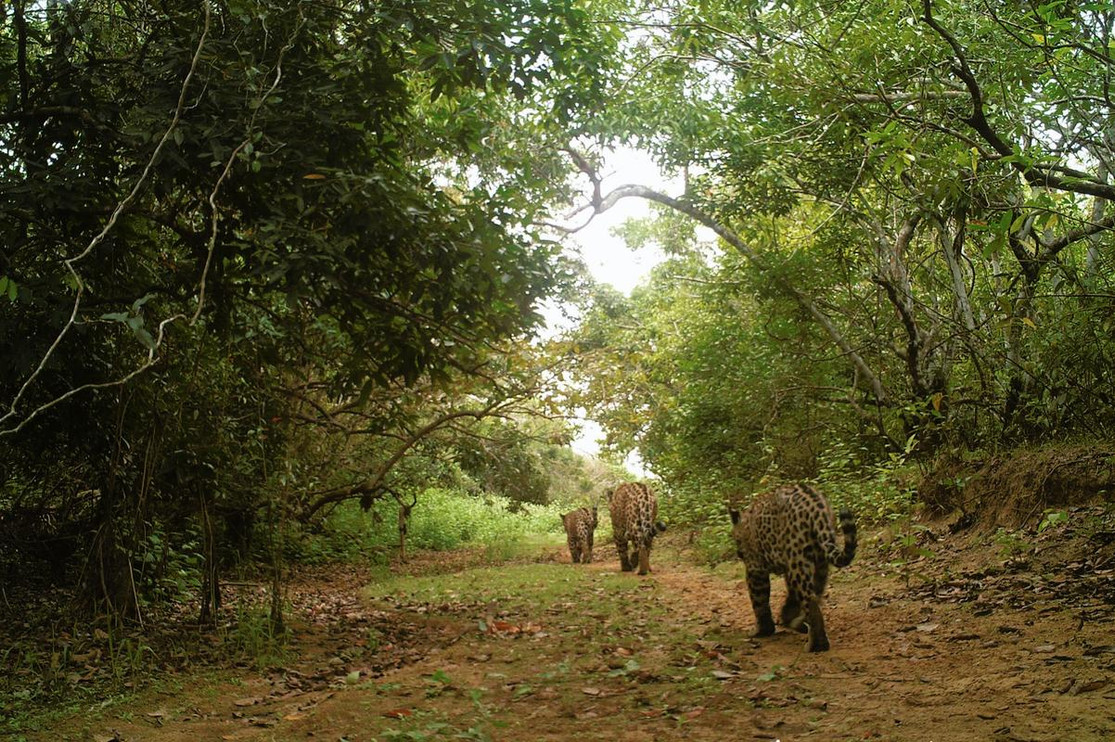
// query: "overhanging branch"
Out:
[600,203]
[1035,174]
[376,481]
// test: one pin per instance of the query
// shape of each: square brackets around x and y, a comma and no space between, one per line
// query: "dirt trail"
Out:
[972,649]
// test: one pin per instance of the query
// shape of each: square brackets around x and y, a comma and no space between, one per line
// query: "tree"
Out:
[204,204]
[926,185]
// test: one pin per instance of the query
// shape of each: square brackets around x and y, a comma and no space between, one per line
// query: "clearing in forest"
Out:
[965,645]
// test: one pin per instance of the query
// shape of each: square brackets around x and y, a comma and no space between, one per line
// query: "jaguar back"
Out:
[790,530]
[580,524]
[634,511]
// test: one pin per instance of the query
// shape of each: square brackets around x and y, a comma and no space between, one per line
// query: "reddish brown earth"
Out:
[965,644]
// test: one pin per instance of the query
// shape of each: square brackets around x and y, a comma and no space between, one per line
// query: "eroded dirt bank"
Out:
[970,643]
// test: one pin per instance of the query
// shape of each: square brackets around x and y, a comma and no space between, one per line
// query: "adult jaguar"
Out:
[790,530]
[579,527]
[634,511]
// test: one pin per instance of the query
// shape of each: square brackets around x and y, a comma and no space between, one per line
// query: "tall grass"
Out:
[443,519]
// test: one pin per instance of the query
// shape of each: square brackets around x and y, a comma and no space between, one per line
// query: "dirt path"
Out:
[971,650]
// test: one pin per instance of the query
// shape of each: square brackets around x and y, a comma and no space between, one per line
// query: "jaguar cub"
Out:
[634,511]
[579,527]
[790,531]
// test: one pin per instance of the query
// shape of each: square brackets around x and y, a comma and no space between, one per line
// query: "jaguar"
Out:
[579,527]
[634,511]
[790,530]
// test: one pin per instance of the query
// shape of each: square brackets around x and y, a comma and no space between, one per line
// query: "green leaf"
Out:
[766,677]
[144,337]
[138,303]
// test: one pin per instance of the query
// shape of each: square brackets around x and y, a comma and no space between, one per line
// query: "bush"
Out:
[443,519]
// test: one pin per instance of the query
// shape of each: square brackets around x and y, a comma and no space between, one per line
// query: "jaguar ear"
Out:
[734,515]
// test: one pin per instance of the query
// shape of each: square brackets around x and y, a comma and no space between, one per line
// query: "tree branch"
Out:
[1035,174]
[600,203]
[70,264]
[376,481]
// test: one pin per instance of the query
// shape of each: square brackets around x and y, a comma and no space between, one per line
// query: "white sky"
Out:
[607,257]
[610,261]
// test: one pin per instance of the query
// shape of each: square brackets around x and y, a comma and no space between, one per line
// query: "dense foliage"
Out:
[256,255]
[262,262]
[915,249]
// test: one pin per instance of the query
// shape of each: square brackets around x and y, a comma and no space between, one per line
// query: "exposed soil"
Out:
[982,640]
[1015,488]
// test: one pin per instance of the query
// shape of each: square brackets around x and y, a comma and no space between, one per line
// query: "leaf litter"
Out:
[978,649]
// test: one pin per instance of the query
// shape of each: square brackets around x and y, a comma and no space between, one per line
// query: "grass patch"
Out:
[442,520]
[512,585]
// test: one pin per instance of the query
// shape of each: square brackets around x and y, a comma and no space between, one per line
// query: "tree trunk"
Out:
[404,516]
[210,580]
[277,622]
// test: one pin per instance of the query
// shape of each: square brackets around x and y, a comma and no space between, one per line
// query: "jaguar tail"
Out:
[848,528]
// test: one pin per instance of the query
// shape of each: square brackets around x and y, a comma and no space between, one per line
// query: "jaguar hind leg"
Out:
[818,639]
[792,615]
[626,563]
[758,587]
[644,560]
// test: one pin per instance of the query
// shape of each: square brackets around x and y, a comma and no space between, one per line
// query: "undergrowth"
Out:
[54,658]
[442,520]
[876,494]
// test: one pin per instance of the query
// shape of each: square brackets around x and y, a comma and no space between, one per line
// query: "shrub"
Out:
[443,519]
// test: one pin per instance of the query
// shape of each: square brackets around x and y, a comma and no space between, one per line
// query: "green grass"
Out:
[513,585]
[442,520]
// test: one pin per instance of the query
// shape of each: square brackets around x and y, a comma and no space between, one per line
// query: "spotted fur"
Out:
[579,527]
[791,531]
[634,511]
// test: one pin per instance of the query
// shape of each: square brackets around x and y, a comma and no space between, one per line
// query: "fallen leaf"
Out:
[590,691]
[1090,686]
[504,627]
[246,701]
[398,713]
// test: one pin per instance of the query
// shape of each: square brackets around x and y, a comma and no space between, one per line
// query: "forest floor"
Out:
[976,638]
